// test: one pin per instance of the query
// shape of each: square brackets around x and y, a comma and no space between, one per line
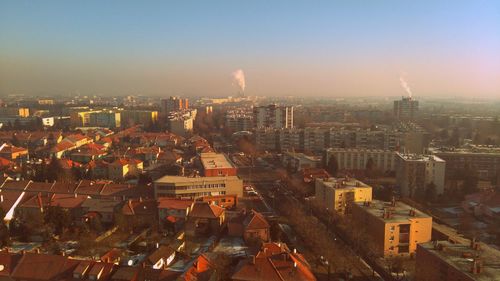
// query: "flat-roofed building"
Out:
[356,159]
[394,227]
[485,159]
[195,187]
[216,165]
[447,261]
[298,161]
[339,193]
[416,172]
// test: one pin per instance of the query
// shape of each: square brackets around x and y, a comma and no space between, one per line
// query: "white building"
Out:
[414,172]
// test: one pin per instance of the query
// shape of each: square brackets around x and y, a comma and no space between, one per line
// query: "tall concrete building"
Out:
[105,118]
[174,104]
[406,109]
[415,172]
[273,116]
[395,228]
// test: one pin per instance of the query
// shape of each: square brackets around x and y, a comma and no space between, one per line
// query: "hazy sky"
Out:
[327,48]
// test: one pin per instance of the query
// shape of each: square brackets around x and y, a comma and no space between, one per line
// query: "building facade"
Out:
[192,188]
[356,159]
[339,193]
[415,172]
[273,116]
[394,228]
[406,109]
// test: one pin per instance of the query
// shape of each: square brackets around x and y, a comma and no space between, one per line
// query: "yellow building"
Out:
[395,228]
[14,111]
[195,187]
[339,193]
[81,118]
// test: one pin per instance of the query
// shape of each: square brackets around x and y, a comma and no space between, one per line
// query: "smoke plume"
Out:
[239,79]
[405,86]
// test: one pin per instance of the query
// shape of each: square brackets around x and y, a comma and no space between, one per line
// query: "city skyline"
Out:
[329,49]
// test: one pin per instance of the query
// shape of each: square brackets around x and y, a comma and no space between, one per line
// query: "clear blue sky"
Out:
[327,48]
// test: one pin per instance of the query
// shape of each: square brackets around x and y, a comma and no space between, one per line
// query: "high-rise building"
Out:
[143,117]
[356,159]
[406,109]
[105,118]
[173,104]
[416,172]
[273,116]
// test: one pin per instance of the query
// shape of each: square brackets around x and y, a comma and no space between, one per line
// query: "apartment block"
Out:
[406,108]
[447,261]
[356,159]
[239,120]
[195,187]
[142,117]
[340,193]
[485,159]
[415,172]
[105,118]
[174,104]
[273,116]
[394,227]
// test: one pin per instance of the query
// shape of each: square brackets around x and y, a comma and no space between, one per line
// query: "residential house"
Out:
[274,262]
[161,257]
[252,227]
[11,152]
[205,219]
[172,213]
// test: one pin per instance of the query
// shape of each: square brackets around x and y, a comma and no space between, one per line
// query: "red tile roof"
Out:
[205,210]
[171,203]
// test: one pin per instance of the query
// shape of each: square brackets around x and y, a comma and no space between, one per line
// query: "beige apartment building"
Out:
[339,193]
[195,187]
[394,227]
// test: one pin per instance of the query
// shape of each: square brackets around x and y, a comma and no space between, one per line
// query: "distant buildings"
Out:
[406,109]
[394,228]
[444,260]
[407,138]
[181,122]
[415,173]
[273,116]
[138,117]
[337,194]
[192,188]
[105,118]
[357,159]
[484,159]
[239,120]
[174,104]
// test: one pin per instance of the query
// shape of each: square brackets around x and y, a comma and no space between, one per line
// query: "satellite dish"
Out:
[2,267]
[130,262]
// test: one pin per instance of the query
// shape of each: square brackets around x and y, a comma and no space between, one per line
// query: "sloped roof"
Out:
[171,203]
[205,210]
[255,221]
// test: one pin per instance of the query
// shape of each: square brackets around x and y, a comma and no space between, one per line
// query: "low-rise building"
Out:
[339,193]
[394,228]
[297,161]
[194,187]
[444,260]
[205,219]
[216,165]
